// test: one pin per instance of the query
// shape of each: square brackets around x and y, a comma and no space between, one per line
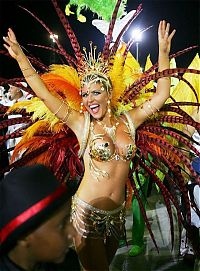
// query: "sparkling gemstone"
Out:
[117,157]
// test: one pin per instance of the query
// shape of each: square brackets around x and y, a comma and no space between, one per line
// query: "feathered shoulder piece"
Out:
[64,81]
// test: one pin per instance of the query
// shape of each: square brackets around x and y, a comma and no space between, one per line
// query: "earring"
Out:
[109,109]
[81,109]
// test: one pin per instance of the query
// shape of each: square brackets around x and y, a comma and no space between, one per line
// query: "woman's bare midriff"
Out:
[105,193]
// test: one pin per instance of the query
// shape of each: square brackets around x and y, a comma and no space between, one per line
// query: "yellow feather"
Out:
[116,78]
[145,95]
[122,75]
[132,70]
[148,65]
[68,73]
[182,91]
[174,81]
[63,81]
[17,107]
[38,110]
[39,127]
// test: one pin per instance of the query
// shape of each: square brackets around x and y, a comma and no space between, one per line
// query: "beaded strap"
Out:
[150,108]
[26,69]
[59,108]
[85,134]
[68,112]
[30,74]
[131,126]
[165,78]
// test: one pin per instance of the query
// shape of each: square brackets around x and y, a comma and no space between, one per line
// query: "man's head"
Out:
[35,210]
[14,93]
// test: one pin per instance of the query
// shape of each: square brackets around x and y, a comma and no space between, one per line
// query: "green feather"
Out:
[103,8]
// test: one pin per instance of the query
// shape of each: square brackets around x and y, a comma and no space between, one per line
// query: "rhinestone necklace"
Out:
[110,131]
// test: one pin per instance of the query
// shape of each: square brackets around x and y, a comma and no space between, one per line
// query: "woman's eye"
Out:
[96,93]
[84,95]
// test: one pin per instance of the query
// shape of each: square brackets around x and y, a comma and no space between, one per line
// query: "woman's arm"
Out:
[56,106]
[162,93]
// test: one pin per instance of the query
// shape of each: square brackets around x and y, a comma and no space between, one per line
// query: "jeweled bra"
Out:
[102,152]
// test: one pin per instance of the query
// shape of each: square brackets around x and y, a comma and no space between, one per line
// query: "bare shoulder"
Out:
[76,122]
[135,116]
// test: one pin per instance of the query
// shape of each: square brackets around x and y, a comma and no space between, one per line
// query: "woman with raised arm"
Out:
[107,144]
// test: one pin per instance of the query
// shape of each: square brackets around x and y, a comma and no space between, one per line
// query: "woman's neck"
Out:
[107,120]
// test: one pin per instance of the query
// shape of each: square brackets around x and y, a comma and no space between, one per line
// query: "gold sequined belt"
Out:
[91,222]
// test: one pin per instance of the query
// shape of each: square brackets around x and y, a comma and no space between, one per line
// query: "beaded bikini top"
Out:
[102,148]
[106,151]
[102,152]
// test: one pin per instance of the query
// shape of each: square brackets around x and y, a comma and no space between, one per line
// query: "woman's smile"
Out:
[94,108]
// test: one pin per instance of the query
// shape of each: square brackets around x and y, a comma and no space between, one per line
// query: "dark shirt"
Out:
[7,265]
[71,263]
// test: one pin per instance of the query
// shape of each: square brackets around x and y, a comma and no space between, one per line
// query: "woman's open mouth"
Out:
[94,108]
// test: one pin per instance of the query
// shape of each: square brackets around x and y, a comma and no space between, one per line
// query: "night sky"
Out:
[183,16]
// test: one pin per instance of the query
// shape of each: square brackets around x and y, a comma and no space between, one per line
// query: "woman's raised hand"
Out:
[164,38]
[12,45]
